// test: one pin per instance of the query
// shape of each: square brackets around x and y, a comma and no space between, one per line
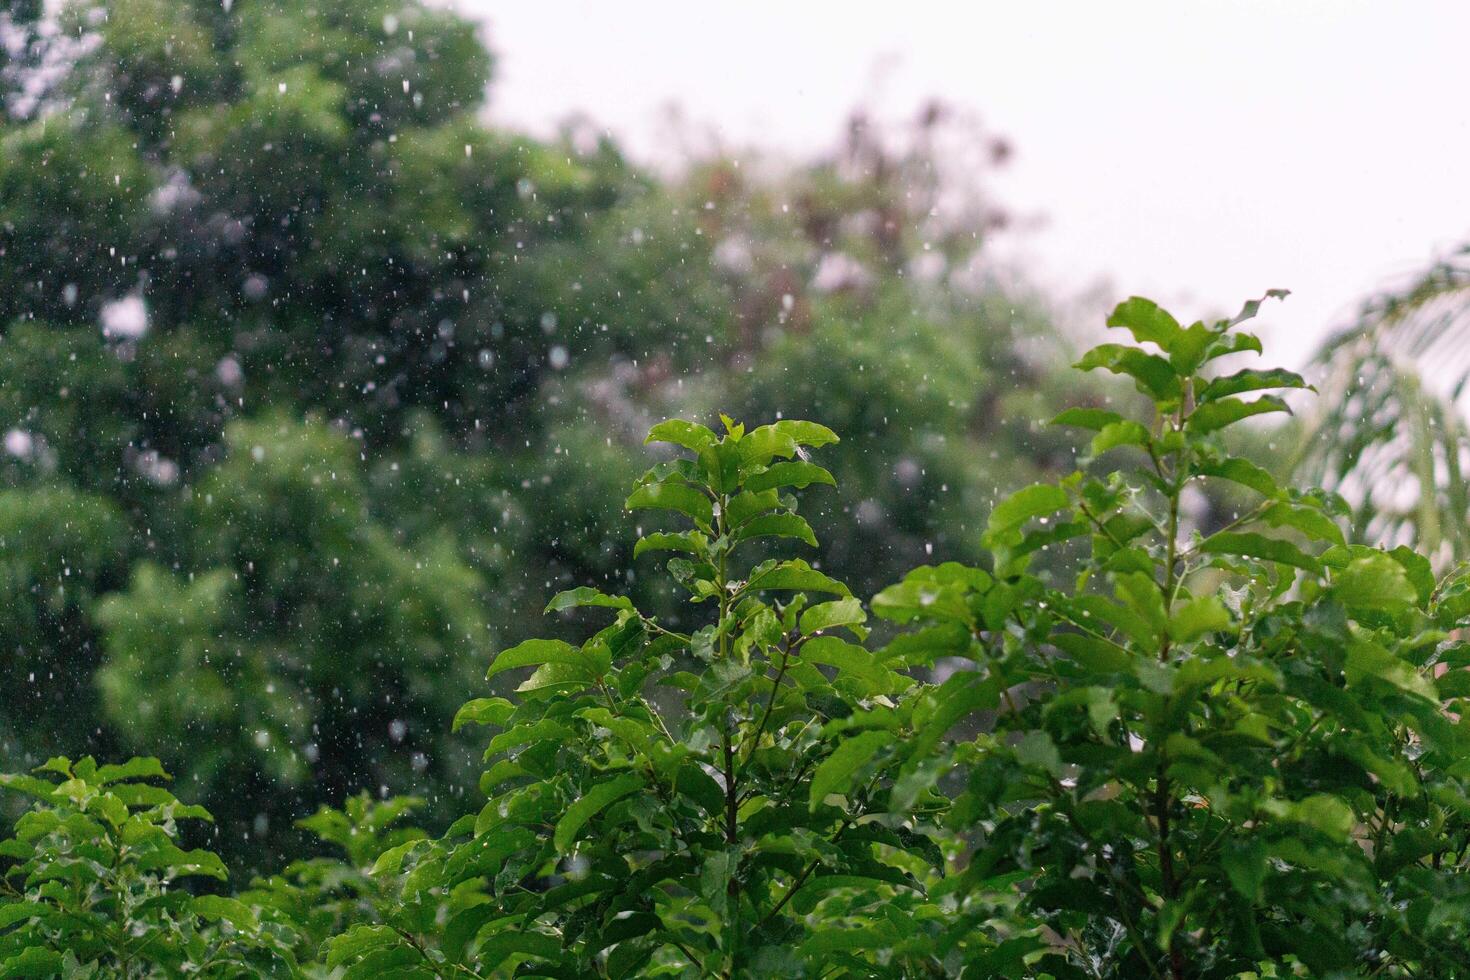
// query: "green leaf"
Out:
[827,615]
[181,862]
[1095,655]
[835,773]
[1155,376]
[744,506]
[849,659]
[1244,472]
[689,542]
[33,961]
[1148,322]
[1252,307]
[1328,814]
[15,912]
[1250,380]
[1140,593]
[1366,659]
[762,444]
[721,465]
[1250,545]
[1037,500]
[1374,583]
[483,711]
[390,862]
[796,473]
[29,785]
[359,941]
[1125,433]
[673,496]
[690,435]
[1094,609]
[558,675]
[1233,343]
[545,728]
[218,908]
[915,598]
[1095,419]
[806,433]
[591,803]
[400,962]
[1193,618]
[1188,350]
[777,526]
[136,768]
[1216,415]
[502,945]
[794,576]
[534,653]
[681,470]
[1308,520]
[1037,749]
[585,596]
[1418,569]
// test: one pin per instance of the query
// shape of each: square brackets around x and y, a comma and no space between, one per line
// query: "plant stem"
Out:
[732,794]
[1162,804]
[760,729]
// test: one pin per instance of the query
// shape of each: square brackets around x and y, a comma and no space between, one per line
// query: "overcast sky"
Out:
[1199,152]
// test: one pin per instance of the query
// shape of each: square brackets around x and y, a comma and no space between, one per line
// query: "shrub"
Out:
[1207,754]
[325,896]
[92,884]
[701,803]
[1173,751]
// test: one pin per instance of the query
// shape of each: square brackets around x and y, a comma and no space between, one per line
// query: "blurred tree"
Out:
[319,375]
[851,288]
[308,644]
[59,549]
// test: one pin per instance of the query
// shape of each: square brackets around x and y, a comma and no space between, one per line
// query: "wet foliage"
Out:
[1164,751]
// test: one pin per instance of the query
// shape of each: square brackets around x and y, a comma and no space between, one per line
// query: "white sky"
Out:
[1197,152]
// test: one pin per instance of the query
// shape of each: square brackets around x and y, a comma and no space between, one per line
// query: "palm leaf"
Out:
[1388,430]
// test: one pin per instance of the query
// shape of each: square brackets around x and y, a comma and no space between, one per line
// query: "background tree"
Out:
[313,382]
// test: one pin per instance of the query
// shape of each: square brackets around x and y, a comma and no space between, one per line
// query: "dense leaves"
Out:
[709,802]
[94,884]
[1226,754]
[1218,755]
[313,383]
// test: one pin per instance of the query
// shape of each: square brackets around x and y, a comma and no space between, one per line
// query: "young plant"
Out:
[91,884]
[327,895]
[715,802]
[1212,752]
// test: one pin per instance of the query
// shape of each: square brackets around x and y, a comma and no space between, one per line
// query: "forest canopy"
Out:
[884,636]
[314,382]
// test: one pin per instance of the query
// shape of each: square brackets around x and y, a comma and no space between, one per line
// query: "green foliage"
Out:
[71,200]
[1167,751]
[355,649]
[59,549]
[93,884]
[1216,755]
[326,896]
[448,340]
[717,801]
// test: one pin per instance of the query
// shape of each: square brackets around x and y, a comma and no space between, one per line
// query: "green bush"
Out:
[1215,756]
[91,890]
[1161,753]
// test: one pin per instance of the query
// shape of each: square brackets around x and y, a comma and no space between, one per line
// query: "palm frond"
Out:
[1388,430]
